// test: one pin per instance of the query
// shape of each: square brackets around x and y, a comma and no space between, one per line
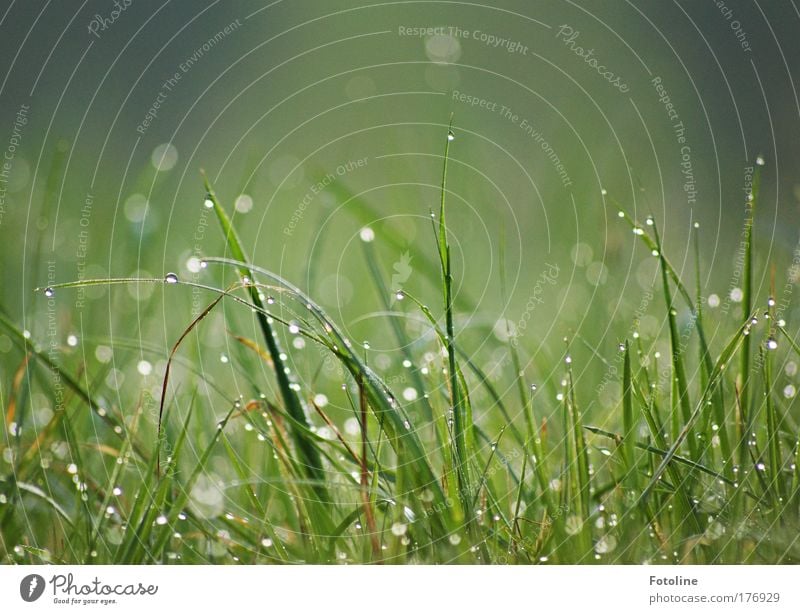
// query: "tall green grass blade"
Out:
[311,460]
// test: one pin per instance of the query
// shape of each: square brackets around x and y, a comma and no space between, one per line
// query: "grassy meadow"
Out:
[303,444]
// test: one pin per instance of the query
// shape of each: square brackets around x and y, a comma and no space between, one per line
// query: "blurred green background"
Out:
[291,107]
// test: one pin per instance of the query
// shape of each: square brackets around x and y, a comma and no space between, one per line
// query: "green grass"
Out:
[697,467]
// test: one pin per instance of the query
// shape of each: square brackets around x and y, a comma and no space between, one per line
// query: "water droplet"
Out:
[72,341]
[654,252]
[789,391]
[771,302]
[568,359]
[49,292]
[407,425]
[410,394]
[621,347]
[266,542]
[713,300]
[270,300]
[603,191]
[400,295]
[760,161]
[454,539]
[171,278]
[208,203]
[320,400]
[450,135]
[696,224]
[144,367]
[761,466]
[737,295]
[772,344]
[605,544]
[399,529]
[366,345]
[649,221]
[246,281]
[294,328]
[161,520]
[533,387]
[367,235]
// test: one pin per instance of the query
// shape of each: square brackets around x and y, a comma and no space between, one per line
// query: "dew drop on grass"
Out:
[621,347]
[454,539]
[144,367]
[171,278]
[72,341]
[266,542]
[737,295]
[320,400]
[713,300]
[410,394]
[400,295]
[603,191]
[399,529]
[760,161]
[270,300]
[650,221]
[771,301]
[294,328]
[208,203]
[789,391]
[49,292]
[772,344]
[367,235]
[161,520]
[450,135]
[223,358]
[605,544]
